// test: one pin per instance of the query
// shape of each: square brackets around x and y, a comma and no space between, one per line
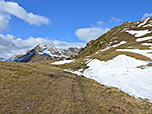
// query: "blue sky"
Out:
[63,23]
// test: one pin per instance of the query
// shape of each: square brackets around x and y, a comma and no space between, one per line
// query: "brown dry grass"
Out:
[41,88]
[115,36]
[108,55]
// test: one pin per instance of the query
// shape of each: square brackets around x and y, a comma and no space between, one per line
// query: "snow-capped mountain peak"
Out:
[44,52]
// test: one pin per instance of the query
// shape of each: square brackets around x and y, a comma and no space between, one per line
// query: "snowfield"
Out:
[147,53]
[62,62]
[121,72]
[148,25]
[116,45]
[138,33]
[147,44]
[146,20]
[144,39]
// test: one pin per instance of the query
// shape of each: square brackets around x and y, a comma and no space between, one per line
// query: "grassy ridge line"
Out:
[115,36]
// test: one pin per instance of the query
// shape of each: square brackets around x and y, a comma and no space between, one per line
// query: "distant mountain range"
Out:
[131,38]
[43,53]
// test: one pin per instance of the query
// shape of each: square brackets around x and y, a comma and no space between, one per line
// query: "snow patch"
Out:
[148,25]
[146,20]
[116,45]
[62,62]
[147,44]
[121,72]
[144,39]
[142,52]
[122,42]
[138,33]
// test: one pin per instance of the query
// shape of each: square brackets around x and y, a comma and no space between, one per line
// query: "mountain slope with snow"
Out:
[123,72]
[41,88]
[135,34]
[121,58]
[43,53]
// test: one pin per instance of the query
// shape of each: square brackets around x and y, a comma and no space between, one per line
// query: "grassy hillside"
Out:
[115,36]
[42,88]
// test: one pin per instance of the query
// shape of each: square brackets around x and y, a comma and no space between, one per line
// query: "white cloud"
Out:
[10,46]
[101,23]
[4,21]
[87,34]
[12,8]
[65,45]
[146,15]
[96,30]
[116,20]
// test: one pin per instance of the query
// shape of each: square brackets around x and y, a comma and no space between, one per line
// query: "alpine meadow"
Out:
[75,57]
